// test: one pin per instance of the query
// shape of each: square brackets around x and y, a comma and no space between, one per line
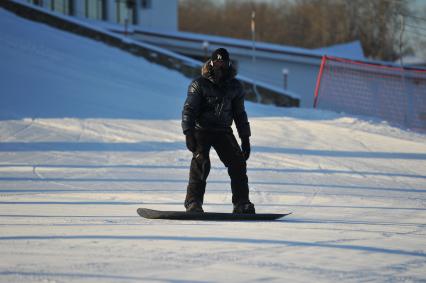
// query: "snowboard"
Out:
[212,216]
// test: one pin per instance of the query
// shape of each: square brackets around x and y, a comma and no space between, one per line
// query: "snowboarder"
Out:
[214,101]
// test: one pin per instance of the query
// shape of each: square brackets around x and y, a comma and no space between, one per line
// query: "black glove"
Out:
[191,143]
[245,146]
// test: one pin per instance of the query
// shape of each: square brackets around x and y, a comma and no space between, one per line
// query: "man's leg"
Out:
[199,171]
[231,155]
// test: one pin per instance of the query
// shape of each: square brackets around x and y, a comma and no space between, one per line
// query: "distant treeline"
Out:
[303,23]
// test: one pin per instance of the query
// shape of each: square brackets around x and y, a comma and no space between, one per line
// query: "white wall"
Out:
[163,14]
[301,77]
[110,11]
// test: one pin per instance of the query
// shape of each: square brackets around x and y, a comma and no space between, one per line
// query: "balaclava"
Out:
[220,64]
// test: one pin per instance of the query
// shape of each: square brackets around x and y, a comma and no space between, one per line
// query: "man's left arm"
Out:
[241,121]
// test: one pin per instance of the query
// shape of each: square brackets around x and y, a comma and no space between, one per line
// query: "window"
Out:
[95,9]
[61,6]
[126,10]
[36,2]
[146,4]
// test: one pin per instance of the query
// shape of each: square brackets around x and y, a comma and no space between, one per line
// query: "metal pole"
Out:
[409,110]
[401,32]
[317,87]
[253,37]
[285,78]
[206,49]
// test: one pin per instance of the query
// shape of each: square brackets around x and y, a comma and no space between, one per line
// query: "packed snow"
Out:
[89,133]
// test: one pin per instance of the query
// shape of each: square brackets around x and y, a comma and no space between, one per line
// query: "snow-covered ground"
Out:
[88,134]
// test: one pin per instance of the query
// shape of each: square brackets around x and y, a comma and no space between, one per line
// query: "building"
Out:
[143,13]
[290,68]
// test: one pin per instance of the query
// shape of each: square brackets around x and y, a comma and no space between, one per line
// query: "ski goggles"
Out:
[220,63]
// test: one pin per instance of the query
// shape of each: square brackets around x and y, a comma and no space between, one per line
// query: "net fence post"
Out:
[317,87]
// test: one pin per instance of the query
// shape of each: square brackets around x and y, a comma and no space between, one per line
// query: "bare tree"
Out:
[377,26]
[304,23]
[415,31]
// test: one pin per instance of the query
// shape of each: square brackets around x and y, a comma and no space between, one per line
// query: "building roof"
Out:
[351,50]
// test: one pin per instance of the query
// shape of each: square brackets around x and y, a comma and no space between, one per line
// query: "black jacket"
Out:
[214,106]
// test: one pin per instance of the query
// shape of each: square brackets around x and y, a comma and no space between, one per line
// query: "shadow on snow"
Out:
[223,240]
[167,146]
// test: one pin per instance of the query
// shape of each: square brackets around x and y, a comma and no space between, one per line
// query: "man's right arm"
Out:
[191,107]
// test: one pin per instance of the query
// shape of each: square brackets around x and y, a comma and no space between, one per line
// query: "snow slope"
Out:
[88,134]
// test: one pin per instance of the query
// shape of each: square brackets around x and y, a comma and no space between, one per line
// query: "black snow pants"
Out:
[230,154]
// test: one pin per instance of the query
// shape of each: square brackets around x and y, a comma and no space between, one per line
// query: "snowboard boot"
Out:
[194,207]
[244,208]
